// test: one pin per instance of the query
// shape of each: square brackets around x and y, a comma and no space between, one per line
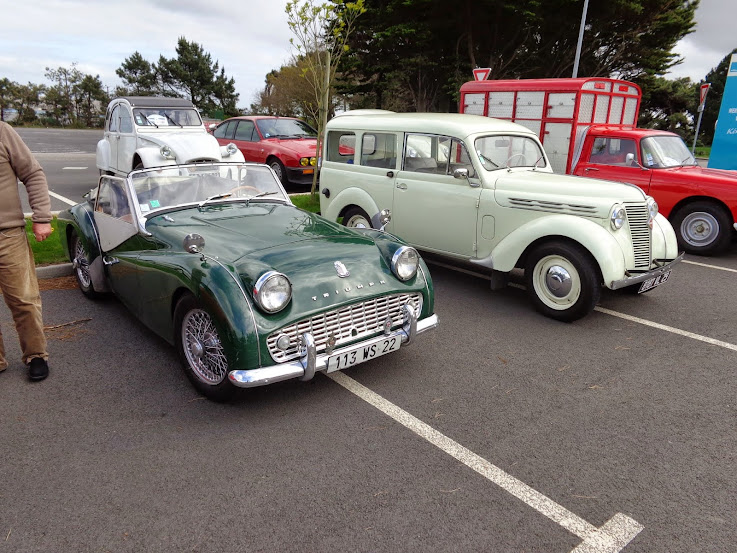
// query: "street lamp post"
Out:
[580,38]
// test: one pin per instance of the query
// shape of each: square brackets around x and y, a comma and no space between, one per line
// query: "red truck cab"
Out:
[587,126]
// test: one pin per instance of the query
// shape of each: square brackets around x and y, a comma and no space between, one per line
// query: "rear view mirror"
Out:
[501,143]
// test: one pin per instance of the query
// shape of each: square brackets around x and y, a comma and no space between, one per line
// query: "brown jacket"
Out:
[17,163]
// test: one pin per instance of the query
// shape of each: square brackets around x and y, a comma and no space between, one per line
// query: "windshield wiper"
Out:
[484,158]
[215,197]
[150,122]
[172,120]
[260,196]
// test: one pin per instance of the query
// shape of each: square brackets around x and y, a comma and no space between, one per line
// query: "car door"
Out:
[126,139]
[606,158]
[247,140]
[116,224]
[112,135]
[432,209]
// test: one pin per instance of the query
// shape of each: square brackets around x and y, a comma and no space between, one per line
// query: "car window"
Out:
[126,123]
[501,151]
[613,151]
[224,130]
[114,119]
[113,200]
[246,131]
[666,151]
[379,150]
[341,147]
[285,128]
[425,153]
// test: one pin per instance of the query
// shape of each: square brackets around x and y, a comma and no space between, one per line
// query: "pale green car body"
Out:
[495,216]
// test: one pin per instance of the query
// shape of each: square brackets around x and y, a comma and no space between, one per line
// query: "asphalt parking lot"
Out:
[500,431]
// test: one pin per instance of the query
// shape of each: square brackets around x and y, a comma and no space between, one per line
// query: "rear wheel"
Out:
[355,217]
[81,265]
[562,281]
[201,351]
[702,228]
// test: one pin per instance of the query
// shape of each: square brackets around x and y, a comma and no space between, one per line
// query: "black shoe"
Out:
[38,369]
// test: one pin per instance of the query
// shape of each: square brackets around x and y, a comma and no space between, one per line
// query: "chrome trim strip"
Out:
[299,368]
[245,296]
[629,281]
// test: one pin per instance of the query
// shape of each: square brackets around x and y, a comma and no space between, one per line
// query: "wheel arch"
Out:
[693,199]
[349,198]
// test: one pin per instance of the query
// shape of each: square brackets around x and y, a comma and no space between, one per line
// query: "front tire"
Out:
[281,172]
[562,281]
[201,351]
[356,217]
[81,266]
[702,228]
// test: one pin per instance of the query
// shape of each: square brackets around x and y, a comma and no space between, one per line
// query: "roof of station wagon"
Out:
[156,102]
[453,124]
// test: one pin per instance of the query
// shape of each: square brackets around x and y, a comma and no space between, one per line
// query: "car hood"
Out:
[563,193]
[187,146]
[302,147]
[303,246]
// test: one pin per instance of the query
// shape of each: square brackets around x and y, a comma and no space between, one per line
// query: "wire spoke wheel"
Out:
[202,347]
[81,264]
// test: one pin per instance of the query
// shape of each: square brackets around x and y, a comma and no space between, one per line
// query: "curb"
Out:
[53,271]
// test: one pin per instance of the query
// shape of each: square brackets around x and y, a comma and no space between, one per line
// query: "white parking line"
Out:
[62,198]
[612,537]
[73,168]
[709,266]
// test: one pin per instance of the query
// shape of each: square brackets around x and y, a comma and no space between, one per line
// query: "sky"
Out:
[249,38]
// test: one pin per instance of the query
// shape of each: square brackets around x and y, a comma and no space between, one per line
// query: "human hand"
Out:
[42,231]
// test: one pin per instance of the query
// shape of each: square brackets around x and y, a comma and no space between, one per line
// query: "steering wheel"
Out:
[235,191]
[510,158]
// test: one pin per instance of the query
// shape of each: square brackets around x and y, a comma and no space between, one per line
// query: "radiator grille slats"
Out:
[638,217]
[352,322]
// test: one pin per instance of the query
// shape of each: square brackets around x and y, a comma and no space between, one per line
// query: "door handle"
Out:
[402,186]
[590,169]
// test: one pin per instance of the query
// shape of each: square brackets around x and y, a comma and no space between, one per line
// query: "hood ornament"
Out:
[341,269]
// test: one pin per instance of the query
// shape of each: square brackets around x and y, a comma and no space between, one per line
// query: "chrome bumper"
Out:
[641,277]
[305,367]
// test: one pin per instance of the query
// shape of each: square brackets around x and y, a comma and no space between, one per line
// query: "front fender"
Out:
[598,241]
[350,196]
[151,157]
[236,157]
[665,244]
[102,155]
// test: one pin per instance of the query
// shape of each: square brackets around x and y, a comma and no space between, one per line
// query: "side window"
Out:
[245,131]
[114,119]
[613,151]
[459,158]
[341,147]
[427,154]
[126,122]
[113,200]
[224,130]
[379,150]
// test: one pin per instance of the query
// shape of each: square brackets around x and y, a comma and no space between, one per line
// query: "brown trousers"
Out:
[19,287]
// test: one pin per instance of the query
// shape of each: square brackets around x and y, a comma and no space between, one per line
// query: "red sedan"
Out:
[286,144]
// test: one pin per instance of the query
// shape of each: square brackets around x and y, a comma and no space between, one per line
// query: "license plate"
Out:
[362,353]
[653,282]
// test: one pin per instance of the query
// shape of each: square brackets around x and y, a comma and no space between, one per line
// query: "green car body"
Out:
[151,270]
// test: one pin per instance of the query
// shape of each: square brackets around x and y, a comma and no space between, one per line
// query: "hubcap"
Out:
[358,221]
[81,264]
[556,282]
[202,347]
[699,229]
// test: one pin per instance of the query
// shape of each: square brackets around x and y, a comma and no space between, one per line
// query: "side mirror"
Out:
[193,243]
[460,173]
[629,159]
[381,219]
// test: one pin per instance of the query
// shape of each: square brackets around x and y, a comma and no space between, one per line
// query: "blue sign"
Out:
[724,147]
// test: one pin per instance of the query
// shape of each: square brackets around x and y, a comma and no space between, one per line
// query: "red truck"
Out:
[587,126]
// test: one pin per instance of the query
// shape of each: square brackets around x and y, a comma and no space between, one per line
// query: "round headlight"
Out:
[166,152]
[652,207]
[405,262]
[272,291]
[618,217]
[313,161]
[231,149]
[304,161]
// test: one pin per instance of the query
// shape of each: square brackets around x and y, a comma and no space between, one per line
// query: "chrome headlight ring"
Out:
[618,217]
[272,292]
[166,152]
[652,207]
[231,149]
[405,262]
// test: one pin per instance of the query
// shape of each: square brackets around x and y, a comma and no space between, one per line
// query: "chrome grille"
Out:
[638,217]
[352,322]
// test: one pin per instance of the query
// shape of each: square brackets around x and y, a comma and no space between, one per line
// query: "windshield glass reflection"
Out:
[665,151]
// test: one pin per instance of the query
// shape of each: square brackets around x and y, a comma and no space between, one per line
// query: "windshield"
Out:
[666,151]
[285,128]
[166,117]
[501,151]
[163,188]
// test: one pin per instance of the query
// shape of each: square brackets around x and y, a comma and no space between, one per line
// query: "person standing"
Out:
[18,282]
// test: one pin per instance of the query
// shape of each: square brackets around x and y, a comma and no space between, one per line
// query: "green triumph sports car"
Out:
[216,259]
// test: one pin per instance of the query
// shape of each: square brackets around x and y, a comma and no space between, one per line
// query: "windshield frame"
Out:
[489,164]
[135,178]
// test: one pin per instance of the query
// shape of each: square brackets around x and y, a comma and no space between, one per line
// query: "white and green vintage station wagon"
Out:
[479,190]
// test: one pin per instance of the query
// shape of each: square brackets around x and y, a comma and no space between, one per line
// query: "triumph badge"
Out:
[342,270]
